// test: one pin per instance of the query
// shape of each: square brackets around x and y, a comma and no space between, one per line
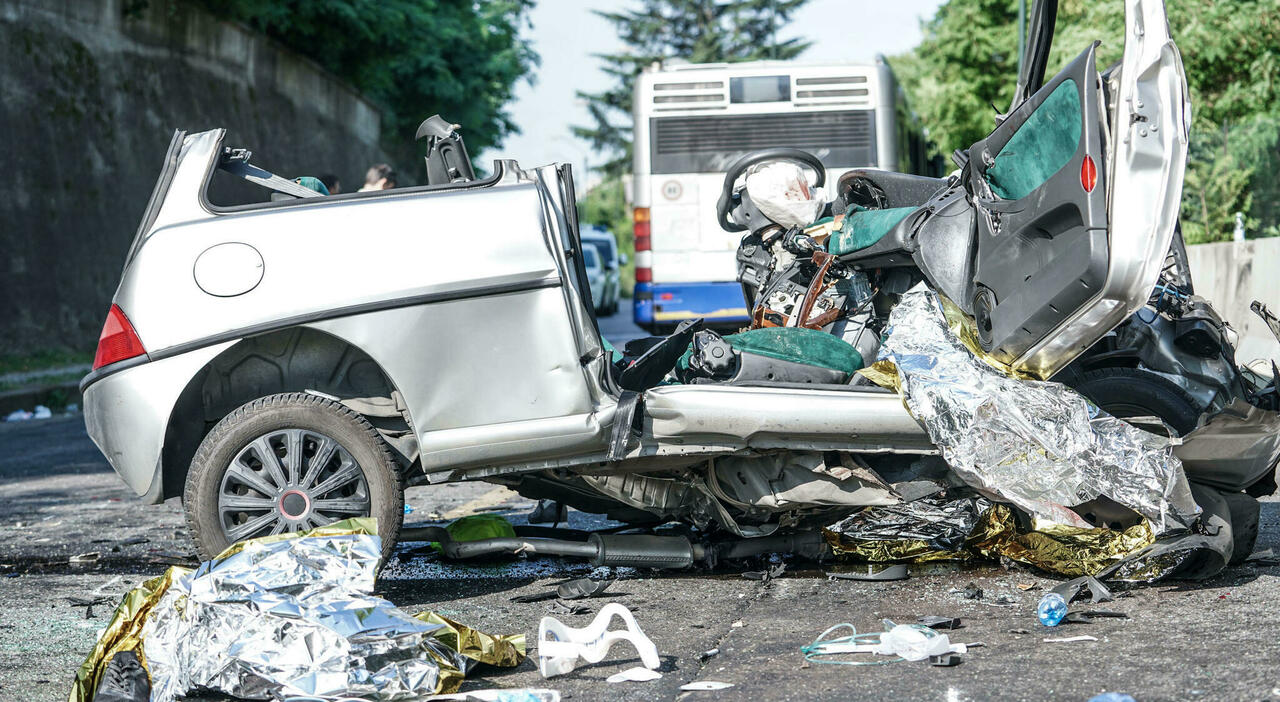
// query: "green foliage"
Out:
[606,206]
[699,31]
[965,68]
[41,360]
[410,57]
[1216,188]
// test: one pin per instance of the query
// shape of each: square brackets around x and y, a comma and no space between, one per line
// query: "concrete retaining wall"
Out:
[1232,275]
[88,100]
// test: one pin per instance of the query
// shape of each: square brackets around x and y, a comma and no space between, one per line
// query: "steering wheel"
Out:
[727,199]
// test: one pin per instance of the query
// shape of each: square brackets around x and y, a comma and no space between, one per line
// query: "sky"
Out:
[566,33]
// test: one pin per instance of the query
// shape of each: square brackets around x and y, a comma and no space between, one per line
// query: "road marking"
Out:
[492,498]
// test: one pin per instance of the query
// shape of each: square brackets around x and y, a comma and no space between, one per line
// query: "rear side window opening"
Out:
[239,182]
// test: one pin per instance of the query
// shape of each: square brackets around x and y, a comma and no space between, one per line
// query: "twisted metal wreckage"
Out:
[997,303]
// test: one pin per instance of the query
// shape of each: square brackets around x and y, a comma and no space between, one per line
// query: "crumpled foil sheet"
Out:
[290,615]
[928,529]
[968,528]
[1036,444]
[1057,548]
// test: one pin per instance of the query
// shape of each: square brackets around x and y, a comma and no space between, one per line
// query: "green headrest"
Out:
[862,228]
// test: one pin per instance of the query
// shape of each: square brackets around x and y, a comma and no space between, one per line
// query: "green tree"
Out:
[699,31]
[964,71]
[412,58]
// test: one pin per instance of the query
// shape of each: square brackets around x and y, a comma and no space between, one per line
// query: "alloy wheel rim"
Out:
[289,480]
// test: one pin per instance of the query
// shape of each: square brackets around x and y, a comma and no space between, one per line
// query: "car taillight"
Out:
[118,341]
[640,227]
[1088,174]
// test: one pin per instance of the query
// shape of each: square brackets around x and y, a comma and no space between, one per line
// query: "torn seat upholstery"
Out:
[862,228]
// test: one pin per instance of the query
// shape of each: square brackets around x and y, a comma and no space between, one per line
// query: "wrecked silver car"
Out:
[286,364]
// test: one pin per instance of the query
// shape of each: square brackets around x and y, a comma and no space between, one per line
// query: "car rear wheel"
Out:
[286,463]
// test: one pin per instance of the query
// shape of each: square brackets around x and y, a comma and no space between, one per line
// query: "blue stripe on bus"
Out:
[669,303]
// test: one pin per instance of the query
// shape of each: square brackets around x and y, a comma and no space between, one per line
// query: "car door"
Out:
[1076,198]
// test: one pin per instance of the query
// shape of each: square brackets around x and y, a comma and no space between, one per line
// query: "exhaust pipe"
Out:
[634,550]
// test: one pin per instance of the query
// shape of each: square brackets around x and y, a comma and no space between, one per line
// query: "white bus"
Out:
[693,120]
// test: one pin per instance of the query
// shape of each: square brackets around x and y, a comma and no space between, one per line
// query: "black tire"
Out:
[382,488]
[1244,525]
[1133,392]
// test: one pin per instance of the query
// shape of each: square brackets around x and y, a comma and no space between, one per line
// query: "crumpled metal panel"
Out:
[292,617]
[1234,448]
[1036,444]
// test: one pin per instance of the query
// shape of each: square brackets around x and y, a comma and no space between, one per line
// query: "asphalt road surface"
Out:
[618,328]
[1215,640]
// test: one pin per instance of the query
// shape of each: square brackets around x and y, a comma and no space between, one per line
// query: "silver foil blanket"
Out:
[939,523]
[1039,445]
[291,617]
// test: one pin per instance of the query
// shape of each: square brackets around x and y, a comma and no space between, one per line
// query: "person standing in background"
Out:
[379,177]
[332,183]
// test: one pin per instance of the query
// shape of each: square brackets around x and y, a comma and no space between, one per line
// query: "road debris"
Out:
[582,588]
[88,603]
[85,558]
[1089,615]
[1051,609]
[869,572]
[636,674]
[1079,587]
[20,415]
[561,647]
[771,573]
[559,607]
[705,686]
[910,642]
[520,694]
[708,655]
[946,660]
[935,622]
[1265,557]
[1072,639]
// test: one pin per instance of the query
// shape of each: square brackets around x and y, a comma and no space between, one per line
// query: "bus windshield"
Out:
[693,121]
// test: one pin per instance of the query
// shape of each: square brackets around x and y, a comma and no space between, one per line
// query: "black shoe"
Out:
[124,680]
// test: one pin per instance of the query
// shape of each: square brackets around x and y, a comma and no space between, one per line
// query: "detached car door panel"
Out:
[1042,251]
[1077,200]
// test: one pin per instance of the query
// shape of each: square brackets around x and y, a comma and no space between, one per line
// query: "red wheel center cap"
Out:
[294,504]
